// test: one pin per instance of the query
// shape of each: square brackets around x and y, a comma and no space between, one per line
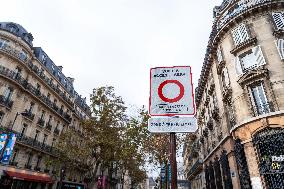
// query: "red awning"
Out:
[29,177]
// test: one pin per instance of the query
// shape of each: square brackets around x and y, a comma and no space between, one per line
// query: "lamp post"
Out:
[8,134]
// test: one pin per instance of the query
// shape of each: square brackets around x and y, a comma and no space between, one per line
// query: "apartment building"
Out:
[240,100]
[37,102]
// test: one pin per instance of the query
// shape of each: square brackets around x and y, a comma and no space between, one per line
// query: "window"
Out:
[259,99]
[48,95]
[249,60]
[30,156]
[43,59]
[14,155]
[280,47]
[23,55]
[24,129]
[8,94]
[1,117]
[44,138]
[31,107]
[53,142]
[3,43]
[49,120]
[219,55]
[36,135]
[278,18]
[38,161]
[225,78]
[42,115]
[240,34]
[38,86]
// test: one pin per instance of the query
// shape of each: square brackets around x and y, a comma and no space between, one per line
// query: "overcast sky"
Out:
[116,42]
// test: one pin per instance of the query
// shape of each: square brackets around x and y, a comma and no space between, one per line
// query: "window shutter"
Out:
[219,55]
[280,47]
[259,58]
[278,18]
[240,34]
[243,32]
[238,66]
[236,36]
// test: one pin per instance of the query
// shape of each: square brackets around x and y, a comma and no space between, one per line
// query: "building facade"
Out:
[37,102]
[240,98]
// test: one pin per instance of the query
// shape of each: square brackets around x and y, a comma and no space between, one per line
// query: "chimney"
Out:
[71,80]
[60,68]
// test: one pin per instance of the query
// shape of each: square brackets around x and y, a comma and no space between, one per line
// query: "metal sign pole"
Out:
[173,161]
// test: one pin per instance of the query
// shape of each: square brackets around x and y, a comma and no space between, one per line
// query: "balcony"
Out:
[205,132]
[238,9]
[55,107]
[195,169]
[13,52]
[6,102]
[68,117]
[13,163]
[27,166]
[215,114]
[263,109]
[36,144]
[227,93]
[48,126]
[28,114]
[50,84]
[37,168]
[24,83]
[40,122]
[210,124]
[56,131]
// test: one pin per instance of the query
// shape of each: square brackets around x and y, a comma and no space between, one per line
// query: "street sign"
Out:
[172,125]
[171,91]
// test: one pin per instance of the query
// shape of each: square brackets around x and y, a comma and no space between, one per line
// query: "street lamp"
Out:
[8,134]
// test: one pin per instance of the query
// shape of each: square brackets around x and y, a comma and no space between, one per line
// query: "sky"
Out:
[116,42]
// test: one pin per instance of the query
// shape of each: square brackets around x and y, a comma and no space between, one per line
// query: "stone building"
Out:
[37,101]
[240,99]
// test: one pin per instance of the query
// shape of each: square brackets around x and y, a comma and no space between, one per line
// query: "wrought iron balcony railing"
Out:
[37,168]
[13,163]
[27,166]
[48,126]
[56,131]
[24,83]
[36,144]
[6,102]
[46,170]
[196,167]
[28,114]
[264,109]
[239,8]
[40,122]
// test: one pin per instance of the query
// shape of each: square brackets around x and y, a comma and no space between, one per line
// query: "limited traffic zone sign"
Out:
[171,100]
[171,91]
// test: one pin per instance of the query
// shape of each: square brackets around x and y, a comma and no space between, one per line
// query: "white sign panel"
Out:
[171,91]
[172,125]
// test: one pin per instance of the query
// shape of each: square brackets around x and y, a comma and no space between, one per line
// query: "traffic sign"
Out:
[172,125]
[171,91]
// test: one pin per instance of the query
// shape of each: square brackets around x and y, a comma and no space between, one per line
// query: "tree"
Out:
[109,138]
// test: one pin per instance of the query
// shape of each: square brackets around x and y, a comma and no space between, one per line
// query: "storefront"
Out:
[269,146]
[19,180]
[70,185]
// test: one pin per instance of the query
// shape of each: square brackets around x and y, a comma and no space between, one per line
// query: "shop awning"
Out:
[29,177]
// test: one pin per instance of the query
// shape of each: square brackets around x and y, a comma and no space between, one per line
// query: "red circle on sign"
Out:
[171,100]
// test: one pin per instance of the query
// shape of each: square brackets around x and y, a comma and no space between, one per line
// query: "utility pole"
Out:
[173,161]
